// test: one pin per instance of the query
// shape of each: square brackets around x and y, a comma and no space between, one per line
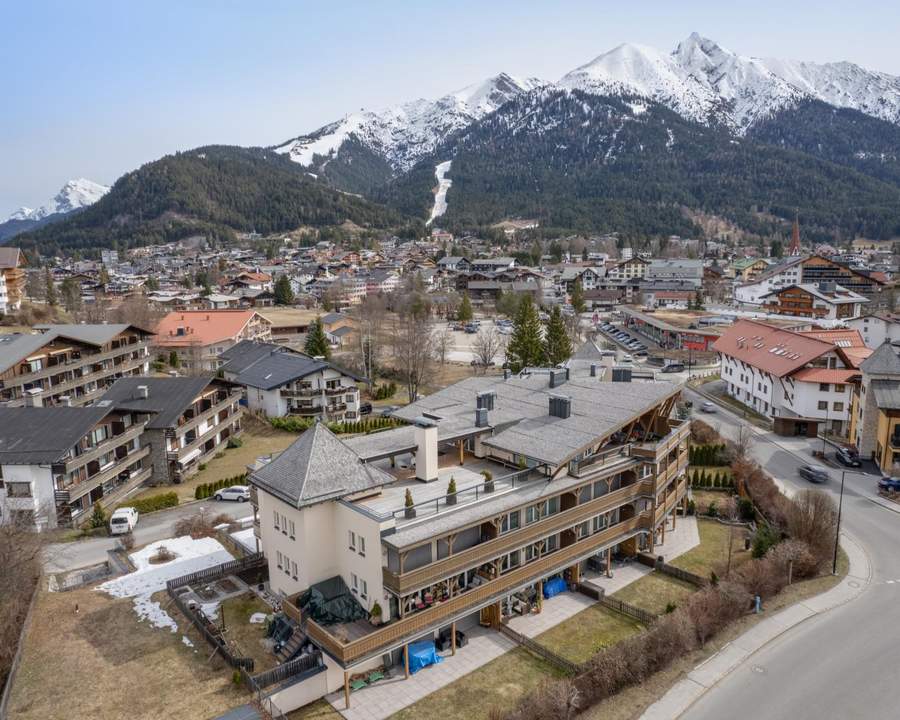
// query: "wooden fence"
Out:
[672,571]
[279,673]
[534,647]
[215,640]
[623,607]
[248,562]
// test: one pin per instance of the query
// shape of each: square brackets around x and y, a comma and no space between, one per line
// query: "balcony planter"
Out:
[451,491]
[409,511]
[488,481]
[375,616]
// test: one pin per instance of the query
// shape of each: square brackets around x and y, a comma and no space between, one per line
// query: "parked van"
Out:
[123,521]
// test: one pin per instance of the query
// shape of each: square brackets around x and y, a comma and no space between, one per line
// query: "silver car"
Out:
[239,493]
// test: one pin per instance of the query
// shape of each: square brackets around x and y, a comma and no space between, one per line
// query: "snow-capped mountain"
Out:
[405,133]
[75,194]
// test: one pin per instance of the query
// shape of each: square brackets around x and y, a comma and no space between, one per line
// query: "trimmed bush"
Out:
[766,538]
[153,503]
[234,442]
[205,490]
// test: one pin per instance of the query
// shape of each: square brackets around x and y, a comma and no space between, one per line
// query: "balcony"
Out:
[84,360]
[406,582]
[85,486]
[109,444]
[404,630]
[210,433]
[231,399]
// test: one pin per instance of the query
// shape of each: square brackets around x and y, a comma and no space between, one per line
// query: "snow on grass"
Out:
[440,197]
[190,556]
[245,538]
[257,618]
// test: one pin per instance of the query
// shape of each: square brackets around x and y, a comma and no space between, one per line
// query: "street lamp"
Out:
[837,532]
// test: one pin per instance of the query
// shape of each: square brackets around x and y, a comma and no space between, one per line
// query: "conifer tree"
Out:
[577,298]
[50,288]
[526,347]
[557,346]
[284,293]
[464,314]
[316,342]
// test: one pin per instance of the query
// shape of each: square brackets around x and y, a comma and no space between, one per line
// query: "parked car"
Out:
[365,408]
[641,353]
[123,521]
[889,483]
[847,457]
[389,410]
[470,328]
[708,407]
[627,358]
[238,493]
[673,367]
[813,474]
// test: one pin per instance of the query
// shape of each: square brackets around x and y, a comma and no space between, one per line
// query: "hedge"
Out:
[703,479]
[383,392]
[153,503]
[205,490]
[709,455]
[299,425]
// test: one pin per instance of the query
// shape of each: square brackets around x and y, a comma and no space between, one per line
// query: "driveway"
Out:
[842,664]
[61,557]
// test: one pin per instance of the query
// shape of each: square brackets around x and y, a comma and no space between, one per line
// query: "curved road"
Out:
[844,663]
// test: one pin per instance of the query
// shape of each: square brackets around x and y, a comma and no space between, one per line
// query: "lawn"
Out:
[654,592]
[712,552]
[87,655]
[703,498]
[501,683]
[582,635]
[319,710]
[248,636]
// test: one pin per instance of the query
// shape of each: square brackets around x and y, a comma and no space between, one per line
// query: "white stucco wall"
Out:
[42,502]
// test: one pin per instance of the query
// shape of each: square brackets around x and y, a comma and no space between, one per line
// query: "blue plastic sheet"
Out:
[554,587]
[422,654]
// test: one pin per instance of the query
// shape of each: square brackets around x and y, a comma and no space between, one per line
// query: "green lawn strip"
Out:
[654,592]
[713,548]
[592,629]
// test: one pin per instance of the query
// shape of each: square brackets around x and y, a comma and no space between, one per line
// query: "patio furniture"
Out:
[375,676]
[357,684]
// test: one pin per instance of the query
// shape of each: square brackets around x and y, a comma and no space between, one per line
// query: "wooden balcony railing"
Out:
[84,360]
[103,448]
[474,556]
[201,439]
[232,399]
[406,629]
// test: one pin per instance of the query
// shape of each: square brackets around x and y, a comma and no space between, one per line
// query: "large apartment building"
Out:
[199,337]
[69,364]
[554,473]
[191,419]
[56,462]
[12,268]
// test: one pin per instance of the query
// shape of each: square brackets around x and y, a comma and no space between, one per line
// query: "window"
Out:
[510,522]
[823,405]
[364,591]
[838,406]
[531,552]
[350,398]
[599,523]
[824,387]
[18,489]
[351,539]
[362,546]
[551,507]
[277,524]
[290,525]
[354,582]
[294,570]
[531,514]
[839,388]
[279,559]
[551,544]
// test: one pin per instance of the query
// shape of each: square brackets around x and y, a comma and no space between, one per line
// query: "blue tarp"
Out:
[554,587]
[422,654]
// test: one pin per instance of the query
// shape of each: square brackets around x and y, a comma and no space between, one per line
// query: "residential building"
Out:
[747,269]
[69,364]
[683,270]
[280,382]
[876,410]
[198,337]
[454,263]
[822,301]
[12,267]
[629,268]
[4,295]
[876,329]
[492,264]
[798,380]
[191,419]
[580,470]
[56,462]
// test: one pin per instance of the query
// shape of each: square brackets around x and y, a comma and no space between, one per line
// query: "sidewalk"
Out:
[687,691]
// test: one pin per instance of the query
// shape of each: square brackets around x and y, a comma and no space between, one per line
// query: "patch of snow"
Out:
[74,195]
[637,108]
[187,641]
[257,618]
[440,197]
[245,538]
[191,555]
[670,142]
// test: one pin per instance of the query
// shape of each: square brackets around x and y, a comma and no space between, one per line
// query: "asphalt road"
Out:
[842,664]
[60,557]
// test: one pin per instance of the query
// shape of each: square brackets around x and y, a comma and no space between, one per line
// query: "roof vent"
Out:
[481,417]
[485,400]
[593,369]
[143,391]
[558,377]
[560,406]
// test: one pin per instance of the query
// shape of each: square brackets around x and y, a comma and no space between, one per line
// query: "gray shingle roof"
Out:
[41,435]
[884,361]
[887,394]
[18,346]
[267,366]
[315,468]
[96,334]
[167,397]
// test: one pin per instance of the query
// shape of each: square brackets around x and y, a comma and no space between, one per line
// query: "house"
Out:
[798,380]
[687,271]
[198,337]
[579,470]
[12,267]
[191,419]
[280,382]
[822,301]
[56,462]
[454,263]
[747,269]
[493,264]
[69,364]
[876,410]
[628,268]
[4,295]
[876,329]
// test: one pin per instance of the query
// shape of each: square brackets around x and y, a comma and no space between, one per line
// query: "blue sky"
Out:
[94,89]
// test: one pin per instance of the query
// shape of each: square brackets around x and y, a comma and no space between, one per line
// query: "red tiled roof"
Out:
[771,349]
[840,337]
[825,375]
[201,327]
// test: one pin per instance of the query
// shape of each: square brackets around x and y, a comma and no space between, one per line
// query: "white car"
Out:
[240,493]
[123,521]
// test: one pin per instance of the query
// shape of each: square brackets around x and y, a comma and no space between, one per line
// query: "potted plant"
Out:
[375,616]
[409,510]
[488,480]
[451,491]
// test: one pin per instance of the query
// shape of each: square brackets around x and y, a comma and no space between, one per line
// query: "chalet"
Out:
[822,301]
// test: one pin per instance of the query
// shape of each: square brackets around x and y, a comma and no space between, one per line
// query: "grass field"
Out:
[319,710]
[712,552]
[654,592]
[582,635]
[249,637]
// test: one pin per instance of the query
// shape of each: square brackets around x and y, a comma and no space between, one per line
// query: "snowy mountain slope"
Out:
[405,133]
[75,194]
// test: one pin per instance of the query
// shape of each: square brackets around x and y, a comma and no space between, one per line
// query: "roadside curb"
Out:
[705,676]
[886,504]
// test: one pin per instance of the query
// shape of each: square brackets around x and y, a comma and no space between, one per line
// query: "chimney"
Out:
[65,400]
[558,376]
[426,435]
[143,392]
[621,374]
[593,369]
[485,400]
[481,417]
[33,398]
[507,373]
[560,406]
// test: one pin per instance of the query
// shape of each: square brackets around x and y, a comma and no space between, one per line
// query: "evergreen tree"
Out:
[104,276]
[577,298]
[557,346]
[174,360]
[50,288]
[284,293]
[464,314]
[526,347]
[316,342]
[70,291]
[152,283]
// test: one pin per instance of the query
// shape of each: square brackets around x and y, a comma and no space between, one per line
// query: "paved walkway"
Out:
[389,696]
[687,691]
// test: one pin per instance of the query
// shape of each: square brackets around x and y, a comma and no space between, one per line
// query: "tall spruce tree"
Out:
[49,287]
[316,342]
[284,293]
[464,314]
[557,346]
[526,347]
[577,298]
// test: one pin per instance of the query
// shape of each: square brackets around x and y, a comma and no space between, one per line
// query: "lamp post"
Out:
[824,429]
[837,532]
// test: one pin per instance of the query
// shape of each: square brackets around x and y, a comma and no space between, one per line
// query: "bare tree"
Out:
[488,342]
[371,314]
[413,346]
[443,343]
